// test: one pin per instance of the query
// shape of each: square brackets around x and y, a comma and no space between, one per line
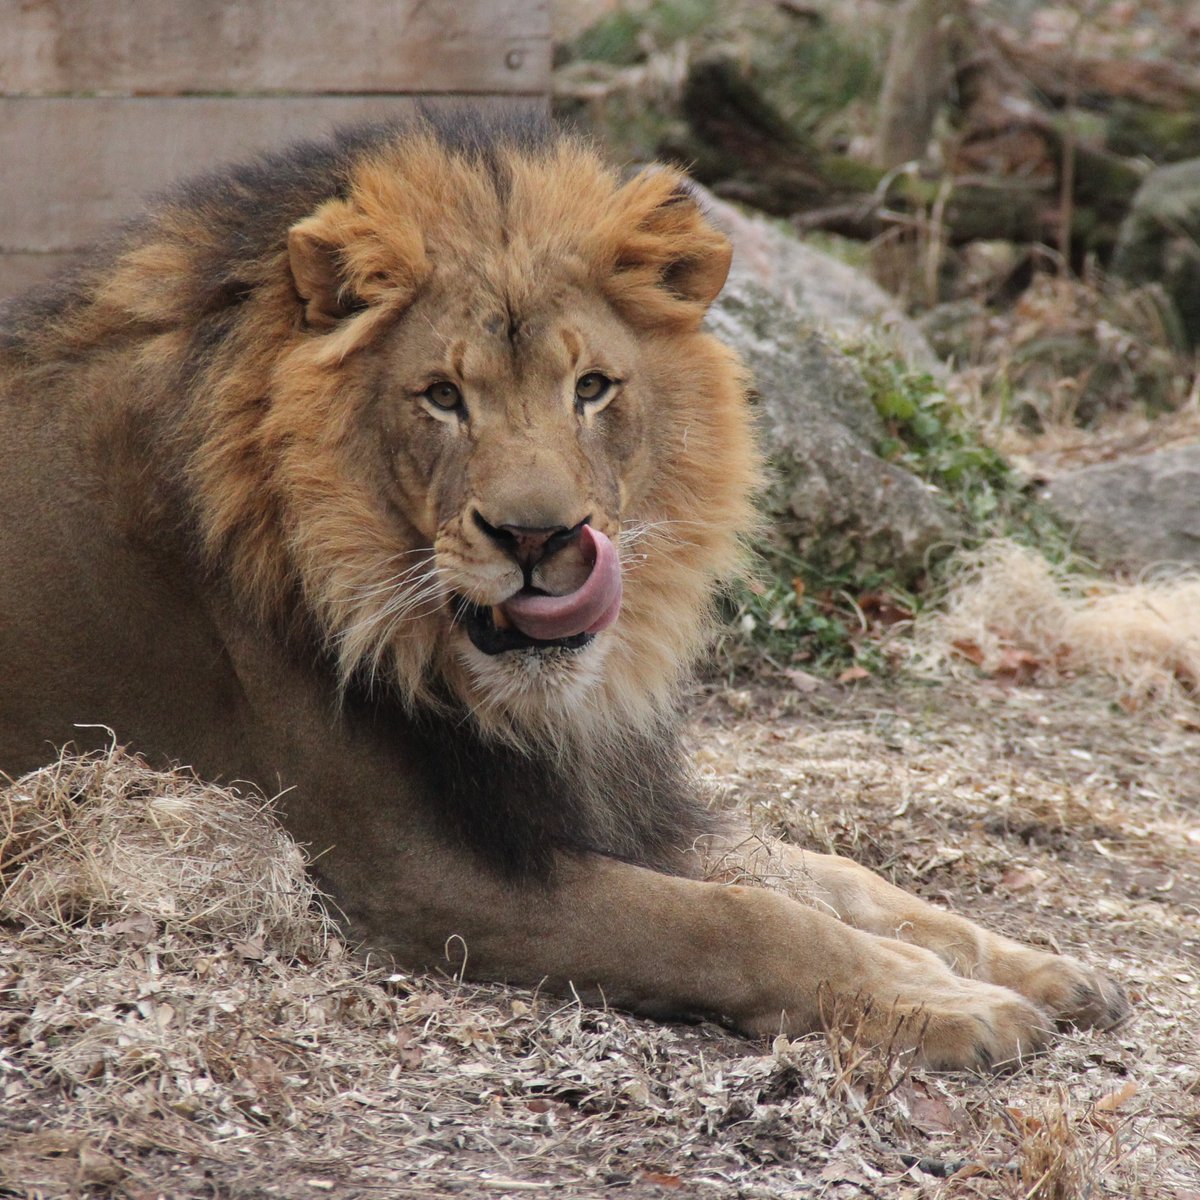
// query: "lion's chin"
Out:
[533,685]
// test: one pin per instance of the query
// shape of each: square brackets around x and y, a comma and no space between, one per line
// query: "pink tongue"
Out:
[590,609]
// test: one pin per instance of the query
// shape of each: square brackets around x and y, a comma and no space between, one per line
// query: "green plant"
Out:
[927,434]
[624,37]
[795,612]
[820,75]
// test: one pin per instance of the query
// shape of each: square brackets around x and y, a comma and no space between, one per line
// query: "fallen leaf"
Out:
[1113,1100]
[840,1172]
[137,928]
[663,1180]
[409,1055]
[799,587]
[931,1114]
[1022,879]
[802,681]
[252,949]
[263,1072]
[881,609]
[969,650]
[1016,666]
[853,675]
[97,1167]
[1023,1121]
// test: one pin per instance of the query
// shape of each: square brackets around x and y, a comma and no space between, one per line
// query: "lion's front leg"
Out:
[1068,989]
[670,946]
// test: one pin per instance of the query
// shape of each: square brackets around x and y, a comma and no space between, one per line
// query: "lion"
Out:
[395,474]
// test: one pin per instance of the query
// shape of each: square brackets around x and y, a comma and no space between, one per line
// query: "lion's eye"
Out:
[592,387]
[444,395]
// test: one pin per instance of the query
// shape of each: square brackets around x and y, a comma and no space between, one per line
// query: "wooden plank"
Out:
[165,47]
[74,167]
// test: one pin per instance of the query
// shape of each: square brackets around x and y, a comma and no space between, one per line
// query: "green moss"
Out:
[1156,134]
[624,38]
[849,174]
[814,73]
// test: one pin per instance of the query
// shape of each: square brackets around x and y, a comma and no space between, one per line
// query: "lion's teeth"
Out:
[499,619]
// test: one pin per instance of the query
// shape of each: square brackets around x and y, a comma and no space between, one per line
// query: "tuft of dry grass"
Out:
[104,838]
[1049,1159]
[1013,615]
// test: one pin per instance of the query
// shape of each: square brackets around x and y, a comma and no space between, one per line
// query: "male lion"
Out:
[398,472]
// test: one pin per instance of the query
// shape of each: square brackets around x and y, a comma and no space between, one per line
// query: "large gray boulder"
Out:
[1159,240]
[1137,513]
[817,289]
[830,497]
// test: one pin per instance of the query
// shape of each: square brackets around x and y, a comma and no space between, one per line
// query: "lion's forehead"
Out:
[515,332]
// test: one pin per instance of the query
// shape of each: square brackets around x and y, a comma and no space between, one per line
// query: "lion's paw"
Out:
[982,1028]
[1073,993]
[952,1023]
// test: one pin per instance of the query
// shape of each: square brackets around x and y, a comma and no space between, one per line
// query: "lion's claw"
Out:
[1100,1002]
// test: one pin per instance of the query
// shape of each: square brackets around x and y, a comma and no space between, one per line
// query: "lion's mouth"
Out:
[533,620]
[492,636]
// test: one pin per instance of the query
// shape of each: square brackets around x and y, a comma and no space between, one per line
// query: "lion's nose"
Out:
[529,544]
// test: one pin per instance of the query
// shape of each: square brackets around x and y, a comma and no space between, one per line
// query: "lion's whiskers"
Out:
[392,583]
[374,611]
[639,536]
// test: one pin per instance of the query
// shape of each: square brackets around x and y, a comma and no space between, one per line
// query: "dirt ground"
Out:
[139,1059]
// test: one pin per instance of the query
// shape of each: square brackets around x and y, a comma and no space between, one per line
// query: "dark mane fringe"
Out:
[515,809]
[249,207]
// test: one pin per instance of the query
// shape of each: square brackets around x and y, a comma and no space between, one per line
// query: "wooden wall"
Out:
[103,101]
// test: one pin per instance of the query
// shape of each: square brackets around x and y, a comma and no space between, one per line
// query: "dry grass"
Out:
[177,1020]
[1044,815]
[103,839]
[1011,614]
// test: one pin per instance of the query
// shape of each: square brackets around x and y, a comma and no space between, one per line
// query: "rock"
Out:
[1159,240]
[815,287]
[1136,513]
[830,497]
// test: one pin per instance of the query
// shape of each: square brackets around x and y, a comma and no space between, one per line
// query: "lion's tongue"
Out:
[590,609]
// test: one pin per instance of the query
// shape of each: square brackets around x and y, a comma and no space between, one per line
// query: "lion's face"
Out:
[508,460]
[511,438]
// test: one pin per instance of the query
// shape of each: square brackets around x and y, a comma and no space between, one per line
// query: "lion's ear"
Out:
[668,262]
[319,270]
[345,258]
